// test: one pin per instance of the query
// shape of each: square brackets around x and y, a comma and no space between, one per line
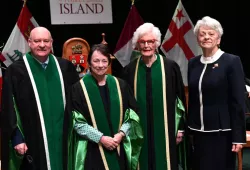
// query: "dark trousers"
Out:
[28,163]
[212,151]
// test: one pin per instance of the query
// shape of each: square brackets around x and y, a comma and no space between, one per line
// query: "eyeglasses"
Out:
[143,42]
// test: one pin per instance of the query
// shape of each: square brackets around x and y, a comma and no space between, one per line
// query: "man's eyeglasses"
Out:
[143,42]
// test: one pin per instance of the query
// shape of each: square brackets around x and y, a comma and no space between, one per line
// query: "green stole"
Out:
[160,120]
[99,116]
[132,143]
[48,87]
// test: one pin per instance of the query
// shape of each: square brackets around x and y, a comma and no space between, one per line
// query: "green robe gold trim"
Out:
[98,118]
[98,115]
[160,120]
[132,143]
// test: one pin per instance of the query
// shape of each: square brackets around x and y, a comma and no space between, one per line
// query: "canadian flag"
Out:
[17,43]
[180,43]
[124,51]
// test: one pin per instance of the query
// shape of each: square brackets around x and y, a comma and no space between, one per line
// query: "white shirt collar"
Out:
[215,57]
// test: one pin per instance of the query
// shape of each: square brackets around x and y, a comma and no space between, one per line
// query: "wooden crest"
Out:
[76,50]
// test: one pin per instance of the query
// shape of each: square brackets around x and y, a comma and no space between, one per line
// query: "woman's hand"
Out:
[108,142]
[21,148]
[118,137]
[236,147]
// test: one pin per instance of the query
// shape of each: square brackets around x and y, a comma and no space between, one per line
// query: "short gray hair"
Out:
[145,29]
[210,22]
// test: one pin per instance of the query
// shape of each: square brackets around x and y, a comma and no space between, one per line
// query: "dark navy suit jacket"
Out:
[216,100]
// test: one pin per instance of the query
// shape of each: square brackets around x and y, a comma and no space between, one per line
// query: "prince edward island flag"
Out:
[17,43]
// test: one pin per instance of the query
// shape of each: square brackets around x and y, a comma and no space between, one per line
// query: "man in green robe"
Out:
[34,92]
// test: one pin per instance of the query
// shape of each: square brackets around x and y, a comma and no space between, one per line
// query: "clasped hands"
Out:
[112,143]
[21,148]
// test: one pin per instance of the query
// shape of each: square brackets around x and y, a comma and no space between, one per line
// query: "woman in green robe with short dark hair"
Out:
[105,131]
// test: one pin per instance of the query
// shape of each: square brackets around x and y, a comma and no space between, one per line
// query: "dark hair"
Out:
[102,48]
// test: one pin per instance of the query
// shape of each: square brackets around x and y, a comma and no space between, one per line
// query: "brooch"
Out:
[215,65]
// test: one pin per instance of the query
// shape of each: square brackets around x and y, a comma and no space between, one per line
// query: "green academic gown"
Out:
[159,91]
[34,102]
[107,115]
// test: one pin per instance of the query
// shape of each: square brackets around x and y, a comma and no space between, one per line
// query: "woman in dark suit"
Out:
[216,106]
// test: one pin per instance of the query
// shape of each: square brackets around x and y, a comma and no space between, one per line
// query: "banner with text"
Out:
[80,12]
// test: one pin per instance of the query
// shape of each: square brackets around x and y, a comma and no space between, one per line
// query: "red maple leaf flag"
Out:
[180,43]
[123,50]
[17,43]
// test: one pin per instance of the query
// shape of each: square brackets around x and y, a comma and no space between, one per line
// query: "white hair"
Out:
[145,29]
[210,22]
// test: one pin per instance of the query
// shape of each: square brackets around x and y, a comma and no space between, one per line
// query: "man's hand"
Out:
[118,137]
[108,142]
[21,148]
[236,147]
[179,137]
